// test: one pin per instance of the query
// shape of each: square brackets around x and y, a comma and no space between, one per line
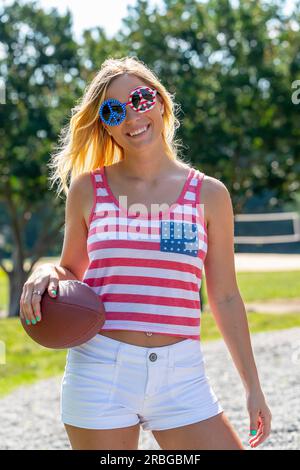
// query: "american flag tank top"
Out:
[147,268]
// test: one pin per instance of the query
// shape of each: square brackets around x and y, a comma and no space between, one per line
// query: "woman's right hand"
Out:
[44,277]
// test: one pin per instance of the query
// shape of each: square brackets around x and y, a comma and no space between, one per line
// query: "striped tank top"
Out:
[147,268]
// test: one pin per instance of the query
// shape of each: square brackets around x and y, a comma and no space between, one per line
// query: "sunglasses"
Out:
[141,99]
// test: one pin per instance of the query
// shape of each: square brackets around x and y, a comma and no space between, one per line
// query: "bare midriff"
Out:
[141,338]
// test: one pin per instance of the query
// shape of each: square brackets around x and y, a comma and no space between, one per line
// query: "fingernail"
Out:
[27,321]
[38,318]
[33,322]
[253,432]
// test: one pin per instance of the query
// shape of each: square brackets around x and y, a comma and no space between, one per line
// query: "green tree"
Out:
[40,67]
[231,67]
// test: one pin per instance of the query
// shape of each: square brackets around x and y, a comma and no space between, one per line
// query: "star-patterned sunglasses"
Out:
[141,99]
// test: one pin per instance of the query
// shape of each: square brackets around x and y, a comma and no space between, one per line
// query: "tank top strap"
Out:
[199,203]
[193,188]
[192,198]
[199,175]
[100,192]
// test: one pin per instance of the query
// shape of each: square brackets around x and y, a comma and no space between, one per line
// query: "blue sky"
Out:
[89,13]
[105,13]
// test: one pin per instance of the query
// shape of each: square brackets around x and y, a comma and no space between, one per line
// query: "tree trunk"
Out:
[17,278]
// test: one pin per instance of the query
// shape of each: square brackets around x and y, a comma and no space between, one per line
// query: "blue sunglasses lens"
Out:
[112,111]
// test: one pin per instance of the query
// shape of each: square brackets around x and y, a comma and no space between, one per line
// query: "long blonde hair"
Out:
[84,142]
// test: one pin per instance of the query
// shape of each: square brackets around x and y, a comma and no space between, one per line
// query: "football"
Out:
[71,318]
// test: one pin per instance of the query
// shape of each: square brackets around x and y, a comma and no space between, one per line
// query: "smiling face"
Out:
[151,120]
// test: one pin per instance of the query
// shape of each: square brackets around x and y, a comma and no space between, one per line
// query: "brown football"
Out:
[71,318]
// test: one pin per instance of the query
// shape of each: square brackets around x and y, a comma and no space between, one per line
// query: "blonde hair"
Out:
[84,143]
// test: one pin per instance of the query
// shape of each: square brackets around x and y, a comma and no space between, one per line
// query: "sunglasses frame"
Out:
[120,118]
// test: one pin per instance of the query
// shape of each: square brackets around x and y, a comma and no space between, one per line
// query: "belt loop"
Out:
[171,358]
[119,353]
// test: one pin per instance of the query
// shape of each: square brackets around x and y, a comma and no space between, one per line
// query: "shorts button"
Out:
[153,357]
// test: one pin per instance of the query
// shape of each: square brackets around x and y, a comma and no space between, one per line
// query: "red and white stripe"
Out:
[143,288]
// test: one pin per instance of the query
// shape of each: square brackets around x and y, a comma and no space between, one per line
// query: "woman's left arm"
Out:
[227,305]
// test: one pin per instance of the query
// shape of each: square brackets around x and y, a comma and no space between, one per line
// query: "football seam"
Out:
[77,307]
[72,305]
[78,337]
[87,332]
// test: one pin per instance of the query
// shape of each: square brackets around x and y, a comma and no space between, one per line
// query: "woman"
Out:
[146,364]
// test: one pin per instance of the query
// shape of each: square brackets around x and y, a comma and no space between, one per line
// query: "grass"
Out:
[257,322]
[27,362]
[265,286]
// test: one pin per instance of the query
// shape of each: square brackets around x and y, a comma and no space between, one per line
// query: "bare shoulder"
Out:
[82,191]
[215,197]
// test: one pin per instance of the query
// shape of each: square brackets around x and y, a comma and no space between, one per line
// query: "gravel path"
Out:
[30,416]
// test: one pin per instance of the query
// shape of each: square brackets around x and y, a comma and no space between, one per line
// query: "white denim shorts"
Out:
[111,384]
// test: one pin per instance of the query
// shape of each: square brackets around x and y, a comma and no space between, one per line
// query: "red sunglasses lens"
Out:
[147,99]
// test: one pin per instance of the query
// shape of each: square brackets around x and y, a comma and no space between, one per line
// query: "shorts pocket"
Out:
[87,388]
[190,361]
[188,384]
